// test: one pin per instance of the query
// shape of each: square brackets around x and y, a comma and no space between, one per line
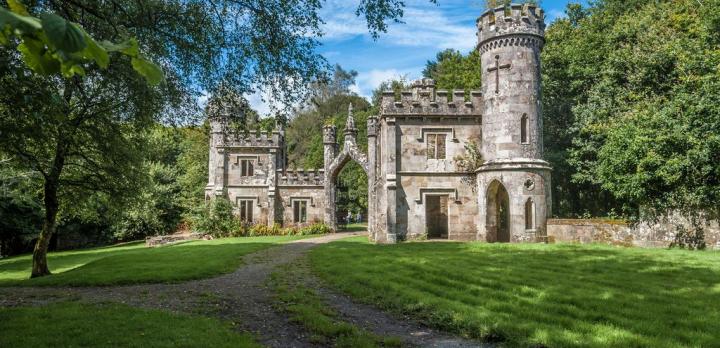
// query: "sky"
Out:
[403,51]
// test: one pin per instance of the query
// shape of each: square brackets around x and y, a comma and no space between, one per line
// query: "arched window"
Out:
[524,134]
[529,214]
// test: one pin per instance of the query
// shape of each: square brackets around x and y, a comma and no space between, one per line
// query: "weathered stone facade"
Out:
[416,188]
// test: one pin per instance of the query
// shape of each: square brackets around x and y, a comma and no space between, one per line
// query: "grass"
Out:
[307,308]
[134,263]
[536,294]
[354,227]
[72,324]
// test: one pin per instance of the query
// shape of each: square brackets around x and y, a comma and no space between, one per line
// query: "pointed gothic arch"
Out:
[334,163]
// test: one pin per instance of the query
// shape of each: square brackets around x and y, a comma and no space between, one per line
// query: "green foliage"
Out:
[453,70]
[560,295]
[52,44]
[74,324]
[20,209]
[155,210]
[217,218]
[636,92]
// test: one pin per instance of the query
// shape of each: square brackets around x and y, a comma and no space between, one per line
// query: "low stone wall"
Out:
[173,238]
[619,232]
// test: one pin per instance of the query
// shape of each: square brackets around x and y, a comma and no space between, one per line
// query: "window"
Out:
[299,211]
[246,167]
[246,210]
[524,129]
[436,146]
[529,214]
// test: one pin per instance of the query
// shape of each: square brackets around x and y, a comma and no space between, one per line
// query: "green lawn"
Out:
[528,294]
[83,325]
[134,263]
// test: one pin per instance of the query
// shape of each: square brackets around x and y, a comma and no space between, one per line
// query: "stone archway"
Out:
[497,222]
[334,163]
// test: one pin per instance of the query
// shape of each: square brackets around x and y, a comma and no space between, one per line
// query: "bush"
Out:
[217,219]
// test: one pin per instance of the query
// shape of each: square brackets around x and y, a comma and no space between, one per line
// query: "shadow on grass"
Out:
[556,295]
[137,264]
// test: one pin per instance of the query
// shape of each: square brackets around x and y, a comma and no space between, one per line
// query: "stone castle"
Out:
[416,187]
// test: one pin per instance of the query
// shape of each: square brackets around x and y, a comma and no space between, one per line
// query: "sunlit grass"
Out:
[526,294]
[84,325]
[134,263]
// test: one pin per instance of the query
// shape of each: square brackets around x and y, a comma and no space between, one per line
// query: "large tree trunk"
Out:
[52,183]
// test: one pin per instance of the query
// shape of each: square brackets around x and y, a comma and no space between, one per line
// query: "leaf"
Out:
[95,52]
[24,24]
[63,35]
[17,7]
[115,47]
[133,49]
[152,73]
[71,68]
[37,58]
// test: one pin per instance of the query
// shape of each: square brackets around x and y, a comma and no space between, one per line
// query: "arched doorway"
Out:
[498,213]
[334,164]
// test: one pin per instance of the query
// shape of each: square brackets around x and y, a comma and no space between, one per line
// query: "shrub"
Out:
[217,219]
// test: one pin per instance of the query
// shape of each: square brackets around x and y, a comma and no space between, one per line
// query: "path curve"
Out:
[243,298]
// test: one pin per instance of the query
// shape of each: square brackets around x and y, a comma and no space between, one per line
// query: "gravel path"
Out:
[243,299]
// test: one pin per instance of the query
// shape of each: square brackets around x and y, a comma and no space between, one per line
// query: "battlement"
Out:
[301,177]
[423,100]
[254,139]
[514,20]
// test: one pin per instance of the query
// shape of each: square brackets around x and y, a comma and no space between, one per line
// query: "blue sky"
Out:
[405,48]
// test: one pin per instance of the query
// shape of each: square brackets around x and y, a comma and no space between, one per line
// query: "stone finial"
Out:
[350,124]
[350,129]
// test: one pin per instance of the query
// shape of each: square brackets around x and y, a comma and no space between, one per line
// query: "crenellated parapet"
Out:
[254,139]
[513,25]
[422,99]
[329,132]
[372,126]
[301,177]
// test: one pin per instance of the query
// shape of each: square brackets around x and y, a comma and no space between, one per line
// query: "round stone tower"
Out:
[514,181]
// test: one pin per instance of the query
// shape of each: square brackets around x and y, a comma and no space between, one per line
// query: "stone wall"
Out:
[412,195]
[314,195]
[659,234]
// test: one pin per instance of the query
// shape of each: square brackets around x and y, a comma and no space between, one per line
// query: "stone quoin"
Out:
[416,189]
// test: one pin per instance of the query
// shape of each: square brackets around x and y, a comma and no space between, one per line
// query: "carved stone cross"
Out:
[496,69]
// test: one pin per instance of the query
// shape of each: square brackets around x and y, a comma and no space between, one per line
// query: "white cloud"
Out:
[425,25]
[367,81]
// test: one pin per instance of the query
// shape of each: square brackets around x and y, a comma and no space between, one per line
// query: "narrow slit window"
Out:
[529,215]
[436,146]
[299,211]
[246,210]
[247,168]
[524,138]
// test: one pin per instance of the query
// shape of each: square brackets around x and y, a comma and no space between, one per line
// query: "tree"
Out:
[83,132]
[453,70]
[635,85]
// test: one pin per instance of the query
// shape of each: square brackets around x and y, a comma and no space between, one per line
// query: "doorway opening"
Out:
[498,213]
[436,216]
